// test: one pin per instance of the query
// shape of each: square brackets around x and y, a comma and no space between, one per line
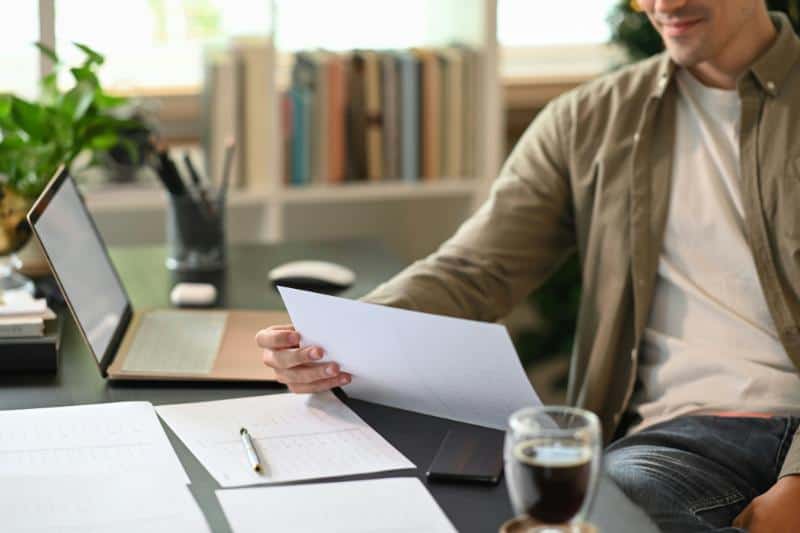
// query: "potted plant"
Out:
[81,122]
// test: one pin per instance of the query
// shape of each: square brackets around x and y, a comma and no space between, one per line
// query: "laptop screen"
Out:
[79,259]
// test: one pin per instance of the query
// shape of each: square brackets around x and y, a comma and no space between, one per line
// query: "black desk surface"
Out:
[244,285]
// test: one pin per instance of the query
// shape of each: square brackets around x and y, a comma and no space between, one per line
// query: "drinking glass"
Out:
[552,459]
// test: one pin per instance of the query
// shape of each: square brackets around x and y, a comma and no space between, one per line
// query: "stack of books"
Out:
[371,115]
[29,333]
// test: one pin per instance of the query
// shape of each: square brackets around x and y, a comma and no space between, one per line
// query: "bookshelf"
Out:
[412,217]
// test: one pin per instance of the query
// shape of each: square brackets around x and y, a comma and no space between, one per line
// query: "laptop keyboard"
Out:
[176,341]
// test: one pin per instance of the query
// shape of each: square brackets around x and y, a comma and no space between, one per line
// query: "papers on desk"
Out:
[296,436]
[126,503]
[448,367]
[106,438]
[396,505]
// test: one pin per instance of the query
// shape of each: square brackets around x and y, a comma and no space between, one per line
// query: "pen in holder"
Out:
[195,232]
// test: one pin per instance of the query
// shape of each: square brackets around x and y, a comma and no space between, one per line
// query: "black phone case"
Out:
[469,453]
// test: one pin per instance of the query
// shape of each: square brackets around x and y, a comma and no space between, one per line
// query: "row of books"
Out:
[380,115]
[237,96]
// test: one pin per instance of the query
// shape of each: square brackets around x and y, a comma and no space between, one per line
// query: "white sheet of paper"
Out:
[396,505]
[448,367]
[126,503]
[107,438]
[297,436]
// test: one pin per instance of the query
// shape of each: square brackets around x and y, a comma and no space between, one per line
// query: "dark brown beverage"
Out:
[550,478]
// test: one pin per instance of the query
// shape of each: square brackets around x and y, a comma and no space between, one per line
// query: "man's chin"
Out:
[686,57]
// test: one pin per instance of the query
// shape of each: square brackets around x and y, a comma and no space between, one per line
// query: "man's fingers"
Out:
[277,339]
[319,386]
[308,373]
[282,359]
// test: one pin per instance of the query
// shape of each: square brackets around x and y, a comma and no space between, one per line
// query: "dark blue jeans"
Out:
[697,473]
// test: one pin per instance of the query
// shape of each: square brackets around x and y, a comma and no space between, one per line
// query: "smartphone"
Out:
[469,453]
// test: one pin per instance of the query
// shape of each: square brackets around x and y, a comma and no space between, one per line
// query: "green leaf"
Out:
[91,55]
[5,105]
[11,142]
[46,50]
[85,75]
[107,101]
[29,117]
[77,101]
[62,130]
[49,88]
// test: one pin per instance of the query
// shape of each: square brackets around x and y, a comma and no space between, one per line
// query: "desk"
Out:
[245,285]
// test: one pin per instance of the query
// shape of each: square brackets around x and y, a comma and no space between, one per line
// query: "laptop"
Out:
[127,343]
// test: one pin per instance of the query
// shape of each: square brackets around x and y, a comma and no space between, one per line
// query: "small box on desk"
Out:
[32,354]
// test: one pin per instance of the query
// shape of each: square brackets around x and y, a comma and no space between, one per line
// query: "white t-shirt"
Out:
[710,344]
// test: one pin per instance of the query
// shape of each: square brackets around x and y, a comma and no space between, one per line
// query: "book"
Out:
[471,100]
[356,119]
[391,116]
[32,354]
[305,81]
[336,78]
[220,108]
[22,326]
[287,134]
[430,114]
[374,116]
[319,117]
[452,112]
[408,74]
[254,56]
[300,103]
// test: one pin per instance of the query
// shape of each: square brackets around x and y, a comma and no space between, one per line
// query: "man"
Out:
[678,182]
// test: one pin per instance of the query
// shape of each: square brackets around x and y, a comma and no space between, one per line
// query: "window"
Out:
[538,23]
[154,45]
[19,59]
[555,40]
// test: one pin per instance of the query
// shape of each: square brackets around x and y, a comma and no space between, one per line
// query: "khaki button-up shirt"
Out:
[592,174]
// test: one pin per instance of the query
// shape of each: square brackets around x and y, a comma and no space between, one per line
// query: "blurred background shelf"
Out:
[371,192]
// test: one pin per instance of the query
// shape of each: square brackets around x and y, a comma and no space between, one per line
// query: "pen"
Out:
[250,449]
[230,148]
[198,183]
[192,171]
[169,172]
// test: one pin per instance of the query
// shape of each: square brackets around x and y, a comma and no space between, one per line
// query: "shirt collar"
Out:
[771,69]
[774,65]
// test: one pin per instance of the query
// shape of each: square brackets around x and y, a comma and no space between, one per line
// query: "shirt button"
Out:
[771,86]
[636,138]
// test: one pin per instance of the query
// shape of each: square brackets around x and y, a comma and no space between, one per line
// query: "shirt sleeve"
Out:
[791,465]
[510,245]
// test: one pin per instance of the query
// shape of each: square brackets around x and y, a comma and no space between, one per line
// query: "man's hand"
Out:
[776,510]
[296,367]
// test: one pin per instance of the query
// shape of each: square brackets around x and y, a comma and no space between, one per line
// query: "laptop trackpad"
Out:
[176,342]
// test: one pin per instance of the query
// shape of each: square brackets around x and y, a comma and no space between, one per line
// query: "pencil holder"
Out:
[195,233]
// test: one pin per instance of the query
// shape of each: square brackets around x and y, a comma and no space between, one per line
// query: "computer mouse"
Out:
[317,276]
